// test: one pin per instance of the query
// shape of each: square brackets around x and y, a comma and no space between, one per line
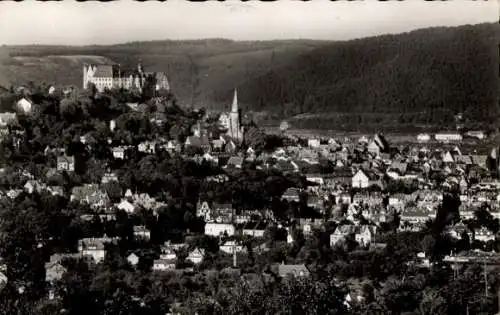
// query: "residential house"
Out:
[109,177]
[54,271]
[126,206]
[7,118]
[360,180]
[196,256]
[313,143]
[168,253]
[90,194]
[234,162]
[286,166]
[119,152]
[448,137]
[291,194]
[173,146]
[218,144]
[448,158]
[219,229]
[163,264]
[254,229]
[414,215]
[374,148]
[94,247]
[141,232]
[193,141]
[423,137]
[66,163]
[296,271]
[365,234]
[147,147]
[341,233]
[478,134]
[230,247]
[56,190]
[32,186]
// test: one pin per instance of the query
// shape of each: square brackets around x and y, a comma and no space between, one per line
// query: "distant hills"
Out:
[197,69]
[421,78]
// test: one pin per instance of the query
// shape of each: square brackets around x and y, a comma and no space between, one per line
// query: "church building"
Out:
[232,120]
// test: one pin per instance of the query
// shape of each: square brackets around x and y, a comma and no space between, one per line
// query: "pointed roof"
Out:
[234,106]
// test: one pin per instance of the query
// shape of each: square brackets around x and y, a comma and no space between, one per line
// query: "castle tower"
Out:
[234,119]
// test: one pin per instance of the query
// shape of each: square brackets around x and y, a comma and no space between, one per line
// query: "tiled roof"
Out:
[284,270]
[106,71]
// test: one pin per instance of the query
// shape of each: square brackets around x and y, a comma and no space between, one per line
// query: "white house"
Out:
[313,143]
[365,234]
[230,247]
[254,232]
[423,137]
[360,180]
[163,264]
[168,253]
[374,148]
[477,134]
[126,206]
[92,247]
[196,256]
[448,136]
[448,158]
[141,232]
[119,153]
[218,229]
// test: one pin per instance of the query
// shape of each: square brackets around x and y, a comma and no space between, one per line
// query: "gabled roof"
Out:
[479,160]
[65,159]
[463,159]
[193,141]
[296,270]
[448,158]
[235,161]
[400,167]
[106,71]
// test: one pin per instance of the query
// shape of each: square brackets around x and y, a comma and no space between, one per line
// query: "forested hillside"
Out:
[418,78]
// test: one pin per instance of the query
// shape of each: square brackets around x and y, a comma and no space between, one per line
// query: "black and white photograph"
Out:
[245,157]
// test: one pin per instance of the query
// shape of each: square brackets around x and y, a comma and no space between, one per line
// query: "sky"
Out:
[84,23]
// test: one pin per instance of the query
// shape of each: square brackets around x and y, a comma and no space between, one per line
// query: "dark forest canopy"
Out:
[423,77]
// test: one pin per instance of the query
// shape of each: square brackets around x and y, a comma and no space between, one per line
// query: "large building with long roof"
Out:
[107,76]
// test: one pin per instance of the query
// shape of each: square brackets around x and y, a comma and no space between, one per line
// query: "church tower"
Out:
[234,119]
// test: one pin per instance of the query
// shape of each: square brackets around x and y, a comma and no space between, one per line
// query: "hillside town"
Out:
[101,187]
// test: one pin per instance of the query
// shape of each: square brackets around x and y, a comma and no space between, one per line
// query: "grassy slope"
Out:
[197,69]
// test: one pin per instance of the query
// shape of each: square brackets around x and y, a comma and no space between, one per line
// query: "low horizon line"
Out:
[248,40]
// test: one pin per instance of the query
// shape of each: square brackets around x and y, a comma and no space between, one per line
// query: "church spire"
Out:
[234,107]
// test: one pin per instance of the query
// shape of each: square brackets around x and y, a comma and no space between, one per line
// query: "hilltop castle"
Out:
[112,76]
[231,121]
